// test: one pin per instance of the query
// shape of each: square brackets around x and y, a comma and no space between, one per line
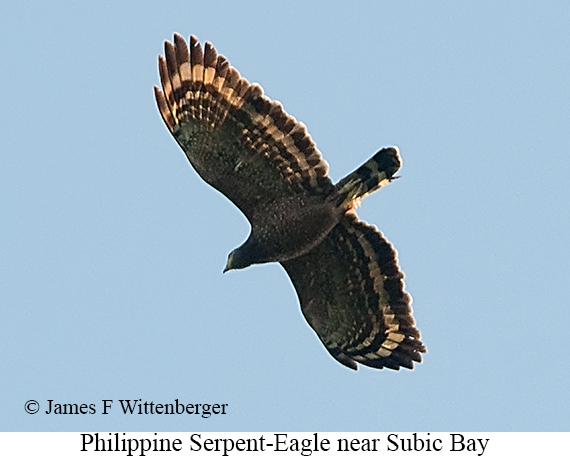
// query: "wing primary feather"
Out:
[164,109]
[172,65]
[167,87]
[221,105]
[183,59]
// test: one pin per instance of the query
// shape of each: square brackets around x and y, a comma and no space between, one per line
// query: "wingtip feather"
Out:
[164,109]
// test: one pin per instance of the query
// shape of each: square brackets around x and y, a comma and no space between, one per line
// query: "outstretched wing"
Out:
[237,139]
[352,294]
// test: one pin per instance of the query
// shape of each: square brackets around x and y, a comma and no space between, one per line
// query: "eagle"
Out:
[246,146]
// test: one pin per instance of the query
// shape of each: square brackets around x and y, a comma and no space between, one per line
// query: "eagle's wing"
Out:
[237,139]
[352,294]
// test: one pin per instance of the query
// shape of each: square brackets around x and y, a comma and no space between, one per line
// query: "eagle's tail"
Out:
[373,174]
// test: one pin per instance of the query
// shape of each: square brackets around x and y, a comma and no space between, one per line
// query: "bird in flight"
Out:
[245,145]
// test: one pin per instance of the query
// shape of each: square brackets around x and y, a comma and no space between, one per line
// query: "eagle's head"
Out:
[247,254]
[239,258]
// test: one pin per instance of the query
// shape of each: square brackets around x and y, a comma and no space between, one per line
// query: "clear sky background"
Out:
[112,248]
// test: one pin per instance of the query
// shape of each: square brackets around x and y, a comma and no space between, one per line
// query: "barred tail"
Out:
[373,174]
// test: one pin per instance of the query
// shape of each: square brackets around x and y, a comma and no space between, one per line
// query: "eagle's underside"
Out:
[345,273]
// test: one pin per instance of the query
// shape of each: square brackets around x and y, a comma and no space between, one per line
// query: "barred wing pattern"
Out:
[237,139]
[352,294]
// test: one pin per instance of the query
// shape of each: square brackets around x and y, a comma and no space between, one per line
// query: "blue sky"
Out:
[112,248]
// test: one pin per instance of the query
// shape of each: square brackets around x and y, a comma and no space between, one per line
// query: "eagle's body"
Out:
[291,226]
[243,144]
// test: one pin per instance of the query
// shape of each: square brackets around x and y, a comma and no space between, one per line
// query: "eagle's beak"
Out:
[228,266]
